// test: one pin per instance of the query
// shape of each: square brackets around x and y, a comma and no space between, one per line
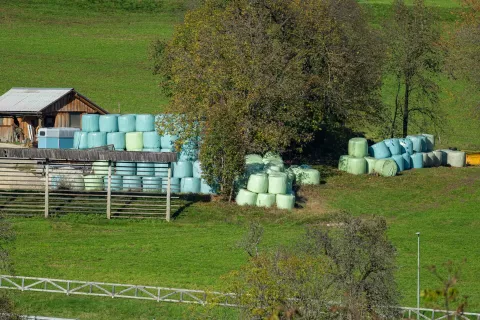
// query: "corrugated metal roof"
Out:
[30,100]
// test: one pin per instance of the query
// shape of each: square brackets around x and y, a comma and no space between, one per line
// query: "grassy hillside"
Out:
[200,246]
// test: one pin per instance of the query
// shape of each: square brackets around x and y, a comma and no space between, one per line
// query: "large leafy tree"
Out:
[276,69]
[415,58]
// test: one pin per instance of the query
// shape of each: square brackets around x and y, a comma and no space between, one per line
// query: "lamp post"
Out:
[418,275]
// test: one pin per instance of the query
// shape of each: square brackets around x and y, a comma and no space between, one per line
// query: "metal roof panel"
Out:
[30,99]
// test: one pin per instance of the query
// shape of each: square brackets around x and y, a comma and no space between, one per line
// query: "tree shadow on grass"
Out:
[184,201]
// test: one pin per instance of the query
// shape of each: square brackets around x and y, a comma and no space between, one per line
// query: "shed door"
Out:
[75,120]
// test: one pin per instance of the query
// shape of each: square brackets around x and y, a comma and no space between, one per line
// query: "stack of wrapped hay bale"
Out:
[267,183]
[391,156]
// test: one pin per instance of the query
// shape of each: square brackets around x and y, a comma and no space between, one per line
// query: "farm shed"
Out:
[33,108]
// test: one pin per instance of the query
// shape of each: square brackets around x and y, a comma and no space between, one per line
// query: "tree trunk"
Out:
[397,103]
[405,109]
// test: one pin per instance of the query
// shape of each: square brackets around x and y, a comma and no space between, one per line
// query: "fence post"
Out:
[169,185]
[109,189]
[47,178]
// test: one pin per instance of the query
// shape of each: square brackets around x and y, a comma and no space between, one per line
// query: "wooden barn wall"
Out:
[69,103]
[62,119]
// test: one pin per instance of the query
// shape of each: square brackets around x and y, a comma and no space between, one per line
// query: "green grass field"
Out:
[200,247]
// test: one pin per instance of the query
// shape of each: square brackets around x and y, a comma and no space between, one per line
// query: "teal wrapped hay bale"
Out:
[308,177]
[427,161]
[285,201]
[168,141]
[290,181]
[117,139]
[379,151]
[189,151]
[430,141]
[370,164]
[151,140]
[108,123]
[407,161]
[182,169]
[167,150]
[144,122]
[417,160]
[266,200]
[358,147]
[258,183]
[145,169]
[406,146]
[277,183]
[126,123]
[132,183]
[93,182]
[116,182]
[190,185]
[357,166]
[394,146]
[90,122]
[80,140]
[197,169]
[205,188]
[100,168]
[343,163]
[386,167]
[161,169]
[398,158]
[152,150]
[419,143]
[456,159]
[174,185]
[134,141]
[126,168]
[246,198]
[152,184]
[97,139]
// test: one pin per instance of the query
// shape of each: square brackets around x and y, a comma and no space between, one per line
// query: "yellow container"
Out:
[473,159]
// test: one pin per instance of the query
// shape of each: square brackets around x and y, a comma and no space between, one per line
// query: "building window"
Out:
[75,120]
[49,122]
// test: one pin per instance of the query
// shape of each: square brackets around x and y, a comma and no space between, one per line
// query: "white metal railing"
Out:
[432,314]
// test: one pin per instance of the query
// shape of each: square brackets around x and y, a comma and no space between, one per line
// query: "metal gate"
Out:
[52,187]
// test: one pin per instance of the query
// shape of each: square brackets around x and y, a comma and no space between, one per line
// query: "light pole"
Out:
[418,275]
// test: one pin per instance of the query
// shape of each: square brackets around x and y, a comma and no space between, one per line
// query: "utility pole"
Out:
[418,275]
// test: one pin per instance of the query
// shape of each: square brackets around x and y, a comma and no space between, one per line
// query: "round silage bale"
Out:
[445,153]
[343,163]
[386,167]
[108,123]
[190,185]
[124,168]
[379,151]
[398,158]
[430,141]
[272,157]
[145,122]
[246,198]
[132,183]
[134,141]
[117,139]
[370,164]
[308,177]
[197,169]
[126,123]
[167,141]
[90,122]
[419,143]
[442,155]
[182,169]
[258,183]
[427,161]
[358,147]
[357,165]
[80,140]
[97,139]
[417,160]
[205,188]
[116,182]
[100,168]
[253,158]
[145,169]
[152,184]
[265,200]
[151,150]
[274,167]
[151,140]
[434,160]
[407,161]
[93,182]
[189,150]
[75,182]
[277,183]
[285,201]
[394,146]
[456,159]
[406,145]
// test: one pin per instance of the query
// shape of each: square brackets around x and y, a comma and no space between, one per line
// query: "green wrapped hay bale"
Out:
[430,141]
[394,146]
[386,167]
[97,139]
[134,141]
[108,123]
[132,183]
[145,122]
[356,165]
[126,168]
[274,167]
[246,198]
[182,169]
[456,159]
[272,157]
[266,200]
[116,182]
[343,163]
[258,183]
[398,158]
[379,151]
[253,158]
[417,160]
[358,147]
[126,123]
[285,201]
[100,168]
[93,182]
[370,164]
[117,139]
[90,122]
[308,177]
[277,183]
